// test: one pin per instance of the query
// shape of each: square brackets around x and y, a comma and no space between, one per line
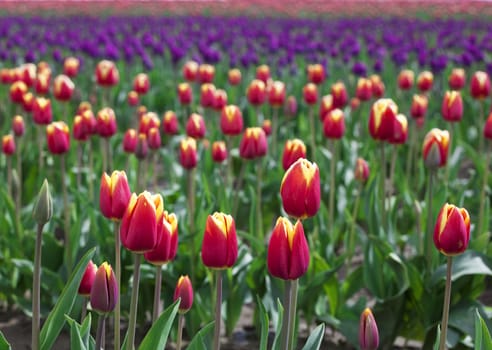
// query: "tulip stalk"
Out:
[40,148]
[351,236]
[80,154]
[333,150]
[382,185]
[447,299]
[411,149]
[483,192]
[66,215]
[36,289]
[9,176]
[191,218]
[482,118]
[259,215]
[157,293]
[18,193]
[290,314]
[218,305]
[230,170]
[179,337]
[117,310]
[90,170]
[428,246]
[394,155]
[238,186]
[313,133]
[132,323]
[100,331]
[274,131]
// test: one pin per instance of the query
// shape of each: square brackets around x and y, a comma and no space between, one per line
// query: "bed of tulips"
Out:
[162,173]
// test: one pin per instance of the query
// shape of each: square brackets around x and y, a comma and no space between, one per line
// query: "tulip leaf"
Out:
[264,324]
[80,333]
[438,337]
[156,337]
[482,334]
[4,344]
[198,342]
[315,338]
[278,328]
[55,321]
[468,263]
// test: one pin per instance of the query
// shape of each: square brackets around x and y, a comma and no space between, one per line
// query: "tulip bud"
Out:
[195,126]
[154,139]
[104,291]
[457,79]
[424,81]
[310,93]
[256,92]
[220,99]
[28,74]
[148,120]
[334,124]
[206,73]
[368,331]
[480,85]
[207,95]
[18,126]
[418,108]
[364,89]
[133,99]
[83,106]
[405,79]
[263,73]
[187,153]
[219,246]
[378,87]
[435,148]
[138,229]
[58,137]
[382,119]
[17,91]
[28,101]
[234,76]
[361,172]
[276,95]
[354,103]
[167,240]
[63,88]
[80,131]
[288,250]
[325,107]
[107,74]
[130,140]
[231,120]
[316,73]
[43,208]
[8,145]
[400,132]
[452,106]
[300,189]
[170,123]
[190,71]
[41,111]
[106,122]
[114,195]
[487,130]
[42,85]
[185,94]
[142,148]
[339,93]
[87,279]
[219,151]
[253,144]
[267,127]
[5,76]
[293,150]
[290,108]
[141,84]
[71,67]
[452,231]
[184,291]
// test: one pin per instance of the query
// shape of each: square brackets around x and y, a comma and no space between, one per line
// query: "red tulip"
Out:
[130,140]
[425,80]
[87,279]
[400,132]
[195,126]
[106,122]
[28,73]
[263,73]
[253,144]
[132,98]
[452,231]
[190,71]
[141,83]
[185,94]
[231,120]
[8,145]
[339,93]
[142,148]
[63,88]
[206,73]
[457,79]
[18,126]
[256,92]
[435,148]
[207,95]
[154,139]
[368,331]
[480,85]
[310,93]
[187,153]
[114,195]
[326,106]
[58,137]
[452,106]
[293,150]
[316,73]
[71,67]
[220,99]
[41,111]
[377,86]
[219,246]
[184,291]
[418,108]
[361,172]
[167,240]
[364,89]
[405,79]
[170,123]
[104,291]
[148,121]
[267,127]
[276,95]
[28,101]
[234,76]
[382,119]
[219,151]
[107,74]
[487,130]
[42,85]
[334,124]
[17,91]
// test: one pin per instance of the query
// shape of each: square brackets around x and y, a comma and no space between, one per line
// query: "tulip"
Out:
[154,139]
[290,108]
[219,151]
[256,92]
[487,130]
[368,331]
[457,79]
[339,93]
[219,246]
[364,89]
[435,148]
[207,95]
[452,106]
[185,94]
[354,103]
[195,126]
[382,119]
[58,137]
[114,195]
[334,124]
[418,108]
[130,140]
[28,74]
[253,144]
[18,126]
[167,243]
[132,98]
[316,73]
[190,71]
[87,279]
[405,79]
[83,106]
[8,145]
[28,101]
[142,148]
[231,120]
[206,73]
[188,157]
[220,99]
[170,123]
[480,85]
[106,122]
[5,77]
[41,111]
[17,91]
[263,73]
[81,131]
[63,88]
[71,67]
[310,93]
[107,74]
[148,121]
[378,87]
[104,291]
[326,106]
[184,291]
[361,172]
[293,150]
[400,132]
[42,85]
[267,127]
[276,95]
[300,189]
[141,84]
[424,81]
[234,76]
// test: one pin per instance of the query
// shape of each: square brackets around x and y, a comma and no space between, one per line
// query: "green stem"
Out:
[157,293]
[274,131]
[229,174]
[104,155]
[259,216]
[237,188]
[352,225]
[292,313]
[80,154]
[66,215]
[418,216]
[218,305]
[447,299]
[382,185]
[482,121]
[394,155]
[285,323]
[18,193]
[9,176]
[191,218]
[154,169]
[428,246]
[333,165]
[411,147]
[132,323]
[117,311]
[100,331]
[36,289]
[40,132]
[180,332]
[313,133]
[482,194]
[107,150]
[90,172]
[141,175]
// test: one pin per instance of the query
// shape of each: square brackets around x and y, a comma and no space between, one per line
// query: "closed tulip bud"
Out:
[142,147]
[334,124]
[378,87]
[16,74]
[288,250]
[310,93]
[41,111]
[480,85]
[43,208]
[276,95]
[154,139]
[28,73]
[293,150]
[418,108]
[405,79]
[316,73]
[58,137]
[170,123]
[253,144]
[17,91]
[300,189]
[361,172]
[400,132]
[206,73]
[187,153]
[231,120]
[107,74]
[87,279]
[133,99]
[141,111]
[63,88]
[339,93]
[80,130]
[354,103]
[167,240]
[220,99]
[364,89]
[106,122]
[71,67]
[8,145]
[219,151]
[114,195]
[452,106]
[234,76]
[28,101]
[141,83]
[452,231]
[42,85]
[44,67]
[219,246]
[435,148]
[207,95]
[5,77]
[424,81]
[457,79]
[195,126]
[368,331]
[382,119]
[130,139]
[487,130]
[326,106]
[267,127]
[90,121]
[256,92]
[138,229]
[148,121]
[185,94]
[18,126]
[263,73]
[83,106]
[104,291]
[184,291]
[290,108]
[190,71]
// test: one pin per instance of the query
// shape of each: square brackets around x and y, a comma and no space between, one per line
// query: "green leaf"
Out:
[80,334]
[278,328]
[4,344]
[468,263]
[264,324]
[56,319]
[156,337]
[198,342]
[315,339]
[482,335]
[438,337]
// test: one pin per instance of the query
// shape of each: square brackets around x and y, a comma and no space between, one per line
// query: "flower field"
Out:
[325,168]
